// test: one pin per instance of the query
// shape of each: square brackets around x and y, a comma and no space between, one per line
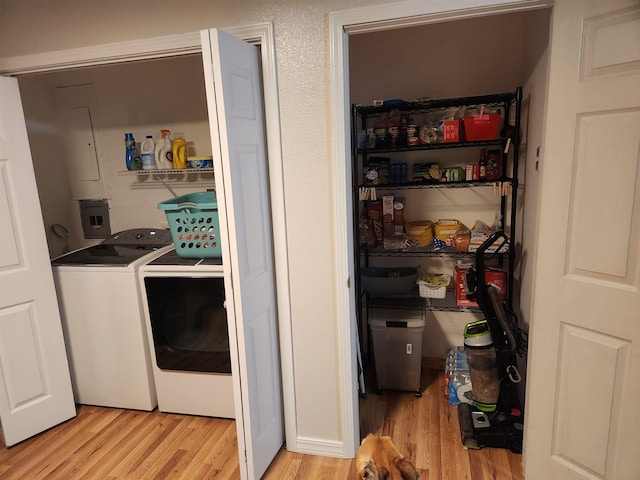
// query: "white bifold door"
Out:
[35,384]
[234,97]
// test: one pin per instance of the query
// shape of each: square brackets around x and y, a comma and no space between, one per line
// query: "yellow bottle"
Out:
[179,151]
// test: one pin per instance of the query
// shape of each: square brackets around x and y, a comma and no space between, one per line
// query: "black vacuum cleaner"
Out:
[494,418]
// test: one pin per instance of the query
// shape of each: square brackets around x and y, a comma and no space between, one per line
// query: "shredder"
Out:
[397,352]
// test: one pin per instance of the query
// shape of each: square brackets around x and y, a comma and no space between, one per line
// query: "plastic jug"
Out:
[148,153]
[132,159]
[179,152]
[164,152]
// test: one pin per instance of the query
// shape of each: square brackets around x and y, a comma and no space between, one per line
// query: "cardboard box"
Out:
[398,216]
[387,215]
[478,237]
[374,209]
[494,277]
[444,228]
[451,131]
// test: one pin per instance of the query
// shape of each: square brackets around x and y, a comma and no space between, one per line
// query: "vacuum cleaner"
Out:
[494,418]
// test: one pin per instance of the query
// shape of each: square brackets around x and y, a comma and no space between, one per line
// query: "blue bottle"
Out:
[132,158]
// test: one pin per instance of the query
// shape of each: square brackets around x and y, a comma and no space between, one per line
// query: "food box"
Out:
[421,231]
[398,216]
[478,237]
[451,131]
[375,215]
[444,228]
[482,127]
[454,174]
[387,215]
[494,277]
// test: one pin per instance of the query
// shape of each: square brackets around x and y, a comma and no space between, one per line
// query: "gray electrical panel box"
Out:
[94,215]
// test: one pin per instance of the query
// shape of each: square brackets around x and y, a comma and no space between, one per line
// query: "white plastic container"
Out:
[164,153]
[148,153]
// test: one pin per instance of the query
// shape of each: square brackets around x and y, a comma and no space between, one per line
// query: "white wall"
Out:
[47,150]
[442,60]
[140,97]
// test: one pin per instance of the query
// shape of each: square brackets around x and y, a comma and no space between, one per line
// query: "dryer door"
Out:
[189,323]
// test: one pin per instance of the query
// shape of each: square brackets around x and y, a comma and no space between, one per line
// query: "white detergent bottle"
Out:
[148,153]
[164,153]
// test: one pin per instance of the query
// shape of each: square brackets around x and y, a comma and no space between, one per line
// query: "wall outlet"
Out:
[409,348]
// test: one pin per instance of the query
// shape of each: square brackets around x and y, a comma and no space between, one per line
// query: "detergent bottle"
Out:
[132,159]
[147,150]
[164,152]
[179,152]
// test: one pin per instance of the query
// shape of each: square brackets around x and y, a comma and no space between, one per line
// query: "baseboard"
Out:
[316,446]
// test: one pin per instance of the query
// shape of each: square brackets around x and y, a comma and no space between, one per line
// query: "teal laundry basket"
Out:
[194,224]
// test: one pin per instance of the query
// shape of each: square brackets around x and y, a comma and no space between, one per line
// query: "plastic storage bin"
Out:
[383,281]
[482,127]
[397,351]
[194,225]
[427,289]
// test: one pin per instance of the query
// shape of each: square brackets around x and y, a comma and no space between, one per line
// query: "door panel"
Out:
[35,386]
[234,96]
[584,363]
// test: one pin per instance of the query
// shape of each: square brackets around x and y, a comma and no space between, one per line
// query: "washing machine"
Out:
[184,309]
[103,321]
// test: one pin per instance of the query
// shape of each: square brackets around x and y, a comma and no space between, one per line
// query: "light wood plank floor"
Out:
[110,444]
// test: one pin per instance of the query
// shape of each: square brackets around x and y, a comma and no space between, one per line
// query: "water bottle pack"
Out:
[457,388]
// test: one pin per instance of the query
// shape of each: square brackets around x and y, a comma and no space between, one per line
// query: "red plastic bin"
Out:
[482,127]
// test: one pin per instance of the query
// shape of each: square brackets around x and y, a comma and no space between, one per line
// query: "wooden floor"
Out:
[109,444]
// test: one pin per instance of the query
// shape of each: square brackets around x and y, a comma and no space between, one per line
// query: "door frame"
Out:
[343,23]
[261,35]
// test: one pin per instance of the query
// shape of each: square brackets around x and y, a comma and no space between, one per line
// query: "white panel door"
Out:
[234,96]
[583,389]
[35,385]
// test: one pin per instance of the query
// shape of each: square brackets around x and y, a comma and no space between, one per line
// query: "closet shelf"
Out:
[434,146]
[411,185]
[414,302]
[176,171]
[428,251]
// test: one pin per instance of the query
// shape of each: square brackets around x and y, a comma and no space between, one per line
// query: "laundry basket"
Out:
[194,225]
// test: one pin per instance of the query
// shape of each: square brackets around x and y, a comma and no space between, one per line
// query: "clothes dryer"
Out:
[186,318]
